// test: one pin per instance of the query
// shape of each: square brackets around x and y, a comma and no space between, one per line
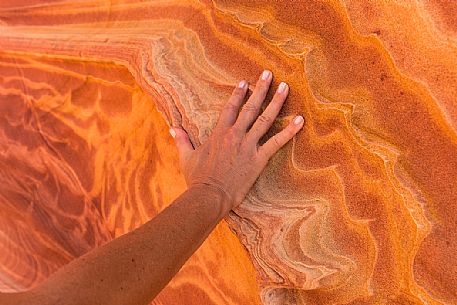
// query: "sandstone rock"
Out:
[358,209]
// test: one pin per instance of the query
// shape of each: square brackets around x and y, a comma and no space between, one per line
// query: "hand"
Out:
[231,159]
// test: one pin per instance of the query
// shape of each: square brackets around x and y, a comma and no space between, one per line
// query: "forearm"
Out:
[133,268]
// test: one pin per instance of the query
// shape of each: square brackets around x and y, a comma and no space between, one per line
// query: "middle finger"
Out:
[251,109]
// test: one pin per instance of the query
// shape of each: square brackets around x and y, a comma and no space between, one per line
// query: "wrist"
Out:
[217,196]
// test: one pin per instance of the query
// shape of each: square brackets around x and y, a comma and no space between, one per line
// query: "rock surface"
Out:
[358,209]
[85,157]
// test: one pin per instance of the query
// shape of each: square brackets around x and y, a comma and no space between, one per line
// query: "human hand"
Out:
[231,159]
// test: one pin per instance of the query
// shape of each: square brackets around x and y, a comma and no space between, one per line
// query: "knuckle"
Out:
[265,119]
[231,106]
[226,142]
[249,107]
[276,141]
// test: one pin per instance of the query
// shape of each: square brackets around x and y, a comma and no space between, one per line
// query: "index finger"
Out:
[230,111]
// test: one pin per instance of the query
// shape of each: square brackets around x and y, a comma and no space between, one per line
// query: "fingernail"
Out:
[242,84]
[266,74]
[298,120]
[172,132]
[282,87]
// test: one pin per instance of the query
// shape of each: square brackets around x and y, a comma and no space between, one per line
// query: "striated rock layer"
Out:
[84,158]
[358,209]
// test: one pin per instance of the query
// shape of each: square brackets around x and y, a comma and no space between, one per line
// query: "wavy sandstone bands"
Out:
[77,144]
[358,209]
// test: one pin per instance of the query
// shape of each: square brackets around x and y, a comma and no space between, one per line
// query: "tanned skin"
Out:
[134,268]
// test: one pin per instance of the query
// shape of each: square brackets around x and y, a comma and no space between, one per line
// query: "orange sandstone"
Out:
[357,209]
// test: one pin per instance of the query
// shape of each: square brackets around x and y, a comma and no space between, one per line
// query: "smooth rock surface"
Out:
[86,157]
[358,209]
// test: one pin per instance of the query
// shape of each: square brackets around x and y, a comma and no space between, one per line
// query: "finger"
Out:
[266,119]
[182,142]
[231,108]
[278,140]
[251,109]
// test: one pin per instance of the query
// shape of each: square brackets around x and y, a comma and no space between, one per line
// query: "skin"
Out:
[134,268]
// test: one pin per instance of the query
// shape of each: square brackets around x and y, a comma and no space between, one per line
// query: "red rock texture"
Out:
[358,209]
[86,157]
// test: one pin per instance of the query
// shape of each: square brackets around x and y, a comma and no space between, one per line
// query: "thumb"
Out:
[182,142]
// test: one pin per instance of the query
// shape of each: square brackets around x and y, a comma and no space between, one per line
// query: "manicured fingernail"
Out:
[298,120]
[172,132]
[266,74]
[242,84]
[282,87]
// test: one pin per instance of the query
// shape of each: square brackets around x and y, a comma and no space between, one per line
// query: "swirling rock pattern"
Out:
[358,209]
[85,157]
